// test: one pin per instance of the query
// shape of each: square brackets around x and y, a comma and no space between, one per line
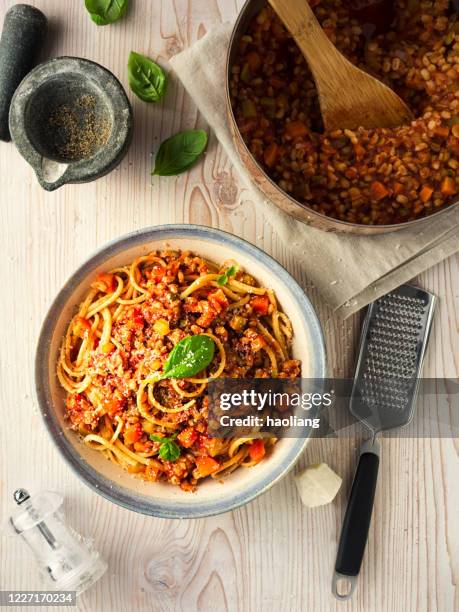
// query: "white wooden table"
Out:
[273,553]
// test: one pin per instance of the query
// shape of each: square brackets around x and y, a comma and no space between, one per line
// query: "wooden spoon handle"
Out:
[322,56]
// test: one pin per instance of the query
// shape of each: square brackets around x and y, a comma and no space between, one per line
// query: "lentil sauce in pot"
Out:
[373,177]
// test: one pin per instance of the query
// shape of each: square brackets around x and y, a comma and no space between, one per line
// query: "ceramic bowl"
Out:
[107,479]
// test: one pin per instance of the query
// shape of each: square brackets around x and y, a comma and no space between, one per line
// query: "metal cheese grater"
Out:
[392,348]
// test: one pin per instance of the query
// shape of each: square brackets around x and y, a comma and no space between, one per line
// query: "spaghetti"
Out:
[117,346]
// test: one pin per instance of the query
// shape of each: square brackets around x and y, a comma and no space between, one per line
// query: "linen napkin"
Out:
[349,271]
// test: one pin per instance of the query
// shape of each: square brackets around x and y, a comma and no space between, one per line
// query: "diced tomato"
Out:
[157,273]
[378,191]
[257,450]
[105,282]
[270,155]
[206,466]
[187,437]
[398,188]
[260,304]
[218,300]
[448,186]
[296,129]
[132,434]
[426,193]
[137,317]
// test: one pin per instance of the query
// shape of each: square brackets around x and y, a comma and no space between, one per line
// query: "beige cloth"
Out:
[349,271]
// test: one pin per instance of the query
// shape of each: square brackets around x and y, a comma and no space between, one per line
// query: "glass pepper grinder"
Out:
[65,561]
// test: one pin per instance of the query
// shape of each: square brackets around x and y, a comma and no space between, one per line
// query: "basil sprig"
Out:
[189,357]
[224,278]
[179,152]
[104,12]
[168,450]
[146,79]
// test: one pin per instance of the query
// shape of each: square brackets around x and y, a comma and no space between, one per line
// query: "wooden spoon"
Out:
[348,96]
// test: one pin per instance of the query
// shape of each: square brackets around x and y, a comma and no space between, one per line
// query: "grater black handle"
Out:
[356,523]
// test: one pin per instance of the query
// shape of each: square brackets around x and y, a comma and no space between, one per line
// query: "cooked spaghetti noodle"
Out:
[120,340]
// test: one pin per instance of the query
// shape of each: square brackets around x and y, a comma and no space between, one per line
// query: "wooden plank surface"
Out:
[274,552]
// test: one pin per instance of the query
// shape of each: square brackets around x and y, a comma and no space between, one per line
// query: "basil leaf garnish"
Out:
[224,278]
[104,12]
[168,450]
[189,357]
[146,79]
[179,152]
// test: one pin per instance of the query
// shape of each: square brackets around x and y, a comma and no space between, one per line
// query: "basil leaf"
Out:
[104,12]
[189,357]
[154,438]
[168,450]
[146,79]
[179,152]
[224,278]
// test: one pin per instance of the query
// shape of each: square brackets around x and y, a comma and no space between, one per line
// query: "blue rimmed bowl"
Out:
[162,499]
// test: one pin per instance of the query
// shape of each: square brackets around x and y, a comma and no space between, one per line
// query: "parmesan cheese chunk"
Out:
[317,485]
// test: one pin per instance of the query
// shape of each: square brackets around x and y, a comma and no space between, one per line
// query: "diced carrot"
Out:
[206,466]
[296,129]
[187,437]
[448,186]
[398,188]
[426,193]
[257,450]
[378,190]
[260,304]
[82,327]
[106,348]
[153,470]
[218,300]
[112,406]
[142,447]
[208,313]
[133,434]
[105,282]
[84,322]
[257,341]
[359,150]
[254,60]
[135,469]
[442,131]
[276,82]
[270,154]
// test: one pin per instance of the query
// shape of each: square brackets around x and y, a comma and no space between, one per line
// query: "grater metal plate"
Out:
[392,348]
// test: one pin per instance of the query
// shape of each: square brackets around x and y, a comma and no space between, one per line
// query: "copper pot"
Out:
[269,188]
